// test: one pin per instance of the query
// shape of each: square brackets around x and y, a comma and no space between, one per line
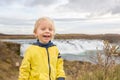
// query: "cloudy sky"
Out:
[70,16]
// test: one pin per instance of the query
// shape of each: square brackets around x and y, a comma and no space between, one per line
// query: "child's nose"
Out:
[47,30]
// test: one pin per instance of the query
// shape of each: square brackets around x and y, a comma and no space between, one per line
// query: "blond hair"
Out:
[40,20]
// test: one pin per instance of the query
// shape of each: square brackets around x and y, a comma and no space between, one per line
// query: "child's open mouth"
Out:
[46,36]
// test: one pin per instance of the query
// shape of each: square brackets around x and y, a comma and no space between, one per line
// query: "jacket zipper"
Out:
[49,64]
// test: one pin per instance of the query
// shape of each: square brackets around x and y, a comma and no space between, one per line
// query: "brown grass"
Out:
[8,60]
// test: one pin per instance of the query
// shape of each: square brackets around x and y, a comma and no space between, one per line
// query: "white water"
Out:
[77,46]
[71,46]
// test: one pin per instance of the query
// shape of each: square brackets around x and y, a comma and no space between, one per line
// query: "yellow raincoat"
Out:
[42,62]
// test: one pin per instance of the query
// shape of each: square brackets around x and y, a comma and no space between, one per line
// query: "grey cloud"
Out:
[7,2]
[99,7]
[28,2]
[40,2]
[11,21]
[116,10]
[69,19]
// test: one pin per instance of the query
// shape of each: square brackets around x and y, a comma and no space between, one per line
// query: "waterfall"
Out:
[72,46]
[76,46]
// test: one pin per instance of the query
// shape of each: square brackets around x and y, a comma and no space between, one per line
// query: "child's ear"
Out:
[35,35]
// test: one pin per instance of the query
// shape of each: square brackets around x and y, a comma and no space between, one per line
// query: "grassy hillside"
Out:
[8,61]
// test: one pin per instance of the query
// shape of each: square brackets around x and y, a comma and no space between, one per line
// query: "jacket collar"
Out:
[49,44]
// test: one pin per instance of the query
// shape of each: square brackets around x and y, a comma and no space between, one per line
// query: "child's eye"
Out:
[50,29]
[42,28]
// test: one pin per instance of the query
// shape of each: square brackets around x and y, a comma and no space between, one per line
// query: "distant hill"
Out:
[1,34]
[110,37]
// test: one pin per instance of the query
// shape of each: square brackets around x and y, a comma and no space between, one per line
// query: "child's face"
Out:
[45,32]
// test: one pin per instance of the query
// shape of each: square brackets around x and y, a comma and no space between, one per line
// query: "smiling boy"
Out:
[42,60]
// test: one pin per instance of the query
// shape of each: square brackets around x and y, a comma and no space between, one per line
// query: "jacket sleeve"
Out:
[60,69]
[24,70]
